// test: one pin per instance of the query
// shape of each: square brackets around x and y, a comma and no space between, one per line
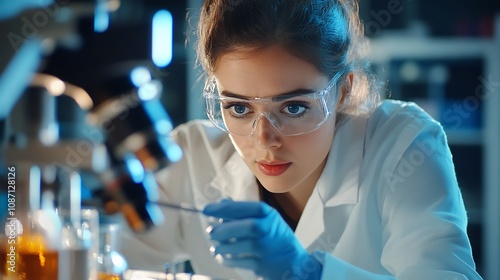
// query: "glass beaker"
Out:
[111,265]
[22,243]
[33,233]
[75,257]
[35,252]
[90,222]
[80,246]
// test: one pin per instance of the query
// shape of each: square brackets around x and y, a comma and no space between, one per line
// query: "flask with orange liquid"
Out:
[33,232]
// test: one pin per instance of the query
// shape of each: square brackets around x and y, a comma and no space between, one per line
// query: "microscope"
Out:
[107,131]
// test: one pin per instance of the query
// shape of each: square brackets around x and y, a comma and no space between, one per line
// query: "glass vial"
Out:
[111,265]
[74,256]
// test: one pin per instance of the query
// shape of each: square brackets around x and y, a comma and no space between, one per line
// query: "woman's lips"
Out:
[274,169]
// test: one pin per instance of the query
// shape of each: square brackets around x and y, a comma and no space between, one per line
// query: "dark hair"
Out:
[326,33]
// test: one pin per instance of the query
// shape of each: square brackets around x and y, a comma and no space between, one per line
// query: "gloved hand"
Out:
[253,235]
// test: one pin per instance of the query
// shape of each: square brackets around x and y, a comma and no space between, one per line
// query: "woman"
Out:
[323,180]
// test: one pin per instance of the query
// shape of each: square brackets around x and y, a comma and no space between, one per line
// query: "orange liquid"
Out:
[38,265]
[34,261]
[106,276]
[3,259]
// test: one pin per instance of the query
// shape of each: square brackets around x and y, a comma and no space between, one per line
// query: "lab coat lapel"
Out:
[236,181]
[337,186]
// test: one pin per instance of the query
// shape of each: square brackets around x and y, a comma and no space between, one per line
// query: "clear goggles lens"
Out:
[289,114]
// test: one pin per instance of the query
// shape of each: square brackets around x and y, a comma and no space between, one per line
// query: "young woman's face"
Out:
[281,163]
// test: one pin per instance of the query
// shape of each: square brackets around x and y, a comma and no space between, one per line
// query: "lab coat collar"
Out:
[338,184]
[234,180]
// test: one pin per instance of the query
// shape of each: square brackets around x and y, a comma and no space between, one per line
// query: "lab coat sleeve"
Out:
[422,212]
[335,268]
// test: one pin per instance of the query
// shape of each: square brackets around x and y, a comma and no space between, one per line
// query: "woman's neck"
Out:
[294,201]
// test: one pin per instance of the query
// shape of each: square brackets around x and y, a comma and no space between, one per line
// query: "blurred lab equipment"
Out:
[75,258]
[111,265]
[122,140]
[80,241]
[127,119]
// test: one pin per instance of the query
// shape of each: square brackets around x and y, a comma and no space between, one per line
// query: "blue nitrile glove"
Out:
[253,235]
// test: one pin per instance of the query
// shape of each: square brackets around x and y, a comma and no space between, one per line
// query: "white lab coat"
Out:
[387,205]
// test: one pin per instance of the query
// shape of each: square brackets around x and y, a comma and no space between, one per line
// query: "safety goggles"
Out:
[290,114]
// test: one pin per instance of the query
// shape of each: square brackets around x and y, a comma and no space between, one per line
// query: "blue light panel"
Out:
[162,38]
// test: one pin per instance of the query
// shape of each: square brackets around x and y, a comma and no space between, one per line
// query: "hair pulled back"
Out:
[326,33]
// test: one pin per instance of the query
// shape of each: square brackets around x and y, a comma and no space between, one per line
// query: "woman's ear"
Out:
[345,89]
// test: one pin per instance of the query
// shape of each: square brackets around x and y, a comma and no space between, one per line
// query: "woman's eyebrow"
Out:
[279,97]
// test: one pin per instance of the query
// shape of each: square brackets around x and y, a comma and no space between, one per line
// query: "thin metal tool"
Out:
[177,206]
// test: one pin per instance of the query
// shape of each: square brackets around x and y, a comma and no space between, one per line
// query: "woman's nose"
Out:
[266,134]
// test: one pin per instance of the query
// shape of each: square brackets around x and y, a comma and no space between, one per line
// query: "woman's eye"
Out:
[238,109]
[295,109]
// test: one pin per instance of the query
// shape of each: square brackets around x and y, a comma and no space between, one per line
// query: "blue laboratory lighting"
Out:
[135,168]
[140,75]
[174,153]
[162,38]
[101,18]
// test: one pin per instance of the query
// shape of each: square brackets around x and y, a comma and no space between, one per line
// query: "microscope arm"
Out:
[24,40]
[16,68]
